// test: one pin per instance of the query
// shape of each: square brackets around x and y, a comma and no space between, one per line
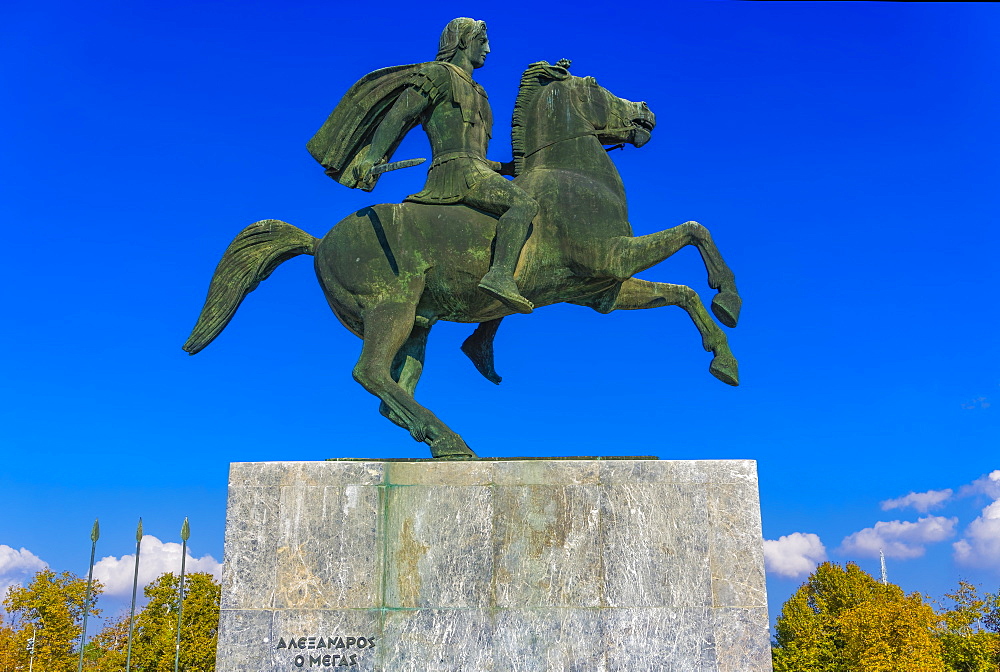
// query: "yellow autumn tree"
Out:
[51,608]
[843,620]
[12,648]
[892,632]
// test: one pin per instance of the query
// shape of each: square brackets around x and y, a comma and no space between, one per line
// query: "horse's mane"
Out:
[532,80]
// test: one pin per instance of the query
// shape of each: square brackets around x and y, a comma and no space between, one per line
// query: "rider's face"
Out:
[478,47]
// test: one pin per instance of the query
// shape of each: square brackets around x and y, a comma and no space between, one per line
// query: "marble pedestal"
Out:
[553,564]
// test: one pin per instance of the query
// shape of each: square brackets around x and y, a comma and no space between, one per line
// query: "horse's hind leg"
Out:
[387,327]
[628,256]
[638,294]
[407,366]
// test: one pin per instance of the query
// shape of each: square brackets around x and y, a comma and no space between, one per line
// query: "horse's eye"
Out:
[591,81]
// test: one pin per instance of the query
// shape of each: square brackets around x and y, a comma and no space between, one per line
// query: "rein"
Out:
[579,135]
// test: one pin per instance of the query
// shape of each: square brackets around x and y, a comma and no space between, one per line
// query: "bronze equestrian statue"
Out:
[461,250]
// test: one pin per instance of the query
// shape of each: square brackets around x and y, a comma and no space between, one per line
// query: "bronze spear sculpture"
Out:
[185,534]
[95,534]
[135,588]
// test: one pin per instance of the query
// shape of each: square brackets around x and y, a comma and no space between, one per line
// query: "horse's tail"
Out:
[252,256]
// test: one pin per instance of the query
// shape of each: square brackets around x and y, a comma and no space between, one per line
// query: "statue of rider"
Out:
[453,109]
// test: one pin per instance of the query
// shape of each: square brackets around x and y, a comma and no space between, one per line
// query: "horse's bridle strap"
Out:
[577,135]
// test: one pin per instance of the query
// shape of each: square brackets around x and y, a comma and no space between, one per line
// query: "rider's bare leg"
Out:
[516,209]
[638,294]
[625,256]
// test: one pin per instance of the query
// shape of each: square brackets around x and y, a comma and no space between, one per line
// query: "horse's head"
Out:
[553,106]
[614,119]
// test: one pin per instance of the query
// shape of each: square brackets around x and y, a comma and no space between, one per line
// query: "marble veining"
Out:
[540,565]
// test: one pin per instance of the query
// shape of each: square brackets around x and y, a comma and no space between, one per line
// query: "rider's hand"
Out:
[361,171]
[503,168]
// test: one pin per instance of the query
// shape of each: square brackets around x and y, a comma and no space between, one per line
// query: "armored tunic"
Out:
[459,124]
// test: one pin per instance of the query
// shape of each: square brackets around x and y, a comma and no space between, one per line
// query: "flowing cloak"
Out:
[344,138]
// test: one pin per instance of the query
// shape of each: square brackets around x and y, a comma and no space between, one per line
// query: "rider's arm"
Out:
[401,116]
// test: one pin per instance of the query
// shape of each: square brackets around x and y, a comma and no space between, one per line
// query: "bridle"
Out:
[595,132]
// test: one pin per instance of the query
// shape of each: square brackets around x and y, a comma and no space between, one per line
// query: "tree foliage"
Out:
[843,620]
[155,630]
[969,630]
[50,608]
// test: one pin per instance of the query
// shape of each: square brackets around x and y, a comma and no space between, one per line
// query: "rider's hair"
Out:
[458,31]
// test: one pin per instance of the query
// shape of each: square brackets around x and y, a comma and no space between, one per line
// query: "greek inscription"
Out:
[327,660]
[321,659]
[316,642]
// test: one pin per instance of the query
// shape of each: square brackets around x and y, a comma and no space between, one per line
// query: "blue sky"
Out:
[844,156]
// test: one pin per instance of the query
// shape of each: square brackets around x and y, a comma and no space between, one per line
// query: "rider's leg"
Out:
[516,209]
[479,348]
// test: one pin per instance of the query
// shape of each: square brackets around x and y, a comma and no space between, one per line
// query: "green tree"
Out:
[153,642]
[51,606]
[969,644]
[843,620]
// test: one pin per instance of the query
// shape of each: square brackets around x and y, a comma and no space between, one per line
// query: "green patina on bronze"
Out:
[473,246]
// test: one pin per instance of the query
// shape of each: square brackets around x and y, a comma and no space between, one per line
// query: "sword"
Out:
[367,183]
[395,165]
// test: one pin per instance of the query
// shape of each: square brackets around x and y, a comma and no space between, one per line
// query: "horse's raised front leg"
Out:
[638,294]
[387,328]
[629,255]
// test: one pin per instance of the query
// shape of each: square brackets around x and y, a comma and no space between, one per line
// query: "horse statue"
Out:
[390,271]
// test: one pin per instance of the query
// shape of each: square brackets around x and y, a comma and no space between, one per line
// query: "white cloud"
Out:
[16,566]
[988,485]
[795,554]
[155,558]
[981,543]
[900,539]
[921,501]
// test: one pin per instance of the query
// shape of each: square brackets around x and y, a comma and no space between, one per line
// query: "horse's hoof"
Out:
[451,448]
[726,306]
[724,368]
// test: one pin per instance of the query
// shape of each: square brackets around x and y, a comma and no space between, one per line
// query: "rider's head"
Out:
[460,33]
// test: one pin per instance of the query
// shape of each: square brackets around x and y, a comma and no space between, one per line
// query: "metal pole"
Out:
[31,660]
[95,534]
[185,534]
[135,587]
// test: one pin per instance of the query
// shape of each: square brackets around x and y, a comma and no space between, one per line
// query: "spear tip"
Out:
[95,533]
[138,531]
[185,530]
